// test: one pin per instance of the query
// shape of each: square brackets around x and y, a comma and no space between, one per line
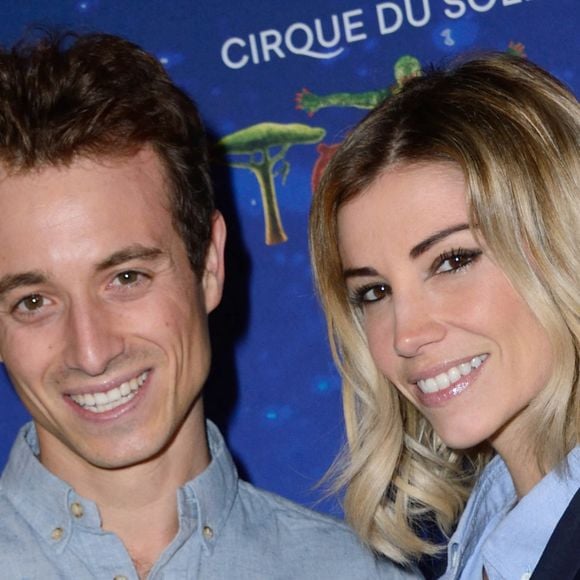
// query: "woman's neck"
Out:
[520,459]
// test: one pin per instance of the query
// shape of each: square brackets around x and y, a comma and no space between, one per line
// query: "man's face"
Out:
[103,324]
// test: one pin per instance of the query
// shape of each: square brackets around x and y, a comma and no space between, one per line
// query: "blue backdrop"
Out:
[318,65]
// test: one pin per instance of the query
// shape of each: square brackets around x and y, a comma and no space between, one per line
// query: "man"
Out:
[111,258]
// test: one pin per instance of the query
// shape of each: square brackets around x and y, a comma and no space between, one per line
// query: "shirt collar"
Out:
[492,497]
[40,497]
[46,502]
[213,491]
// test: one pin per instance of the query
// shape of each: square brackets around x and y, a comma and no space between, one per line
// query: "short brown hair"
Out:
[64,96]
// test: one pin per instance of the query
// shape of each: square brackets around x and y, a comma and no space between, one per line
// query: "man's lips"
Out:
[102,401]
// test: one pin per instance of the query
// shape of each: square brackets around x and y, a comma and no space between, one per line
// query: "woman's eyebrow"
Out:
[415,252]
[354,272]
[423,246]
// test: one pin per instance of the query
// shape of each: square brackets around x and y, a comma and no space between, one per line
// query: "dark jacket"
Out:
[560,559]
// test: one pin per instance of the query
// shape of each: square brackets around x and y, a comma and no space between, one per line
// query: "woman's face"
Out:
[442,320]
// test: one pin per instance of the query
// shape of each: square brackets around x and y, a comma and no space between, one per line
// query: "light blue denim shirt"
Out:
[504,535]
[228,530]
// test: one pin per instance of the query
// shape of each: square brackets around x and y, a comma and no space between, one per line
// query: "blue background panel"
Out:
[273,387]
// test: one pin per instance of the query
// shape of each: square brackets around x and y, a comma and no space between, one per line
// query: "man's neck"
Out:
[141,507]
[139,502]
[146,520]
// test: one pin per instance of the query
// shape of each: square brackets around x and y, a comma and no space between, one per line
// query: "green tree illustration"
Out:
[266,145]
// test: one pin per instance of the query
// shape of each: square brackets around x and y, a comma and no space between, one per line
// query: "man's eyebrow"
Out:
[354,272]
[423,246]
[135,252]
[10,282]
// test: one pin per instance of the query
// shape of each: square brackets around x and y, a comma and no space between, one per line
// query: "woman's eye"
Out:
[455,260]
[372,293]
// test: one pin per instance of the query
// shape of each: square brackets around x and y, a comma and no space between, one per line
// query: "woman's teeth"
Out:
[101,402]
[445,380]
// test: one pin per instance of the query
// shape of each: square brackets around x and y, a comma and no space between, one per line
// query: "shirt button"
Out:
[455,558]
[77,509]
[207,533]
[57,534]
[526,576]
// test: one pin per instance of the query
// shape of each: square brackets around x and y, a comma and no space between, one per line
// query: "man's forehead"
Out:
[97,207]
[143,163]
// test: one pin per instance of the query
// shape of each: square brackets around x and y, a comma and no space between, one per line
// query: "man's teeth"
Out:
[101,402]
[445,380]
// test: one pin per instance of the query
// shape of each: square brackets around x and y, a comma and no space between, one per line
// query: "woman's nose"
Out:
[415,325]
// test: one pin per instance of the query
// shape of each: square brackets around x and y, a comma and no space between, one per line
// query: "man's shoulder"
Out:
[9,516]
[284,511]
[305,539]
[19,545]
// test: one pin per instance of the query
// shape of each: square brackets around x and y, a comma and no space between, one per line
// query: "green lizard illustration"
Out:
[405,68]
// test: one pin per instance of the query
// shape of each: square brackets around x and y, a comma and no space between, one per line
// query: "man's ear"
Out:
[213,276]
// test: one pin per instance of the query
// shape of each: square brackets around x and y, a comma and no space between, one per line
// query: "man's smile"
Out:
[100,402]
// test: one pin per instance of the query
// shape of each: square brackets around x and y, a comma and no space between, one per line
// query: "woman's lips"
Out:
[436,391]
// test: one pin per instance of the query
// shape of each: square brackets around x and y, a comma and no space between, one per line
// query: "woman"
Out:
[444,237]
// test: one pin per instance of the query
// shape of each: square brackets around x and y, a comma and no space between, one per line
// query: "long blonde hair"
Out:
[514,131]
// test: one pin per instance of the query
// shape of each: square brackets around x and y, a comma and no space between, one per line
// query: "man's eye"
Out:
[30,304]
[128,278]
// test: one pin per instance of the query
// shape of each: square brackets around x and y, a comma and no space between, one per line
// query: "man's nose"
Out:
[93,338]
[416,324]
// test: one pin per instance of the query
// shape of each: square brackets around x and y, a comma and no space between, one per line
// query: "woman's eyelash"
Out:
[455,260]
[369,293]
[450,262]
